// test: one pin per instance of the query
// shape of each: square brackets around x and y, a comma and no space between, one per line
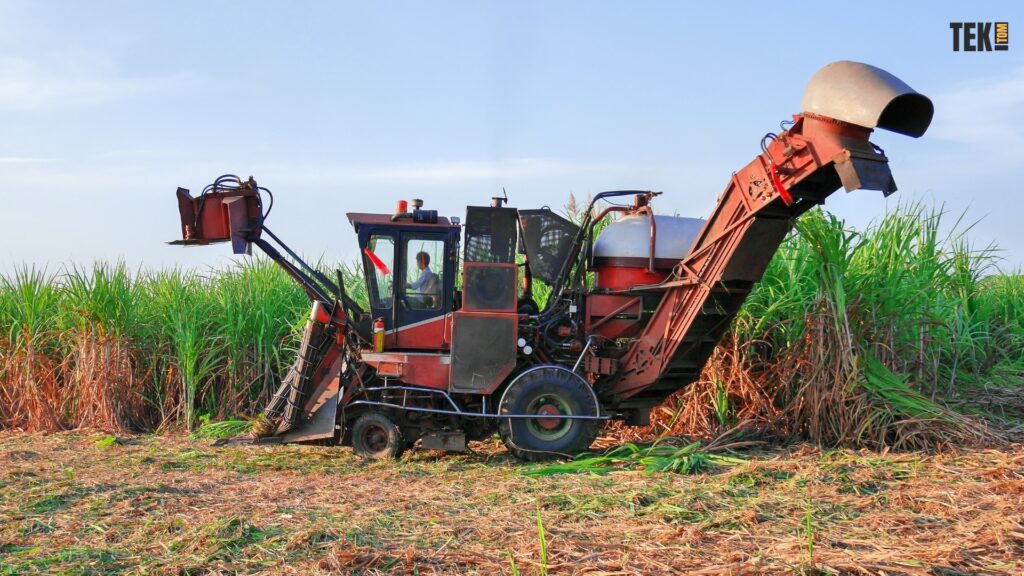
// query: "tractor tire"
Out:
[376,437]
[548,390]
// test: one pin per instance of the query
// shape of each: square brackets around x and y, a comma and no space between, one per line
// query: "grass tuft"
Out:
[222,429]
[661,456]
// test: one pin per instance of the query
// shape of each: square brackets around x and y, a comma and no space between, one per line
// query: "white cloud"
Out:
[21,160]
[68,81]
[986,113]
[444,172]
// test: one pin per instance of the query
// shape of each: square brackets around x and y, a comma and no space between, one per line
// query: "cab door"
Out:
[423,300]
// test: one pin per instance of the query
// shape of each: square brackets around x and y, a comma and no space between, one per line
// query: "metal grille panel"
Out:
[483,351]
[491,235]
[489,287]
[548,240]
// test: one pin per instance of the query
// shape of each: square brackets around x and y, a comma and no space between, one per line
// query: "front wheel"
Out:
[550,392]
[376,437]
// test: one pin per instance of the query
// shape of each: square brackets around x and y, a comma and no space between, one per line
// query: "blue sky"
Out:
[107,107]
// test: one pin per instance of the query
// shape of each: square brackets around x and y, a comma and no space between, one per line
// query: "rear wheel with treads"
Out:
[549,392]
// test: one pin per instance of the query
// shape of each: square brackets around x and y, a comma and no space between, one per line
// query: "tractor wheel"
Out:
[548,391]
[376,437]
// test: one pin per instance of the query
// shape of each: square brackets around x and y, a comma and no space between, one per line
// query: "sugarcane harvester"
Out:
[631,316]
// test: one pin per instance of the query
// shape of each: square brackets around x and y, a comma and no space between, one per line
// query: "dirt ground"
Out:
[81,503]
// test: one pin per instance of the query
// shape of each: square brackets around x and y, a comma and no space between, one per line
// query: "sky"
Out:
[107,107]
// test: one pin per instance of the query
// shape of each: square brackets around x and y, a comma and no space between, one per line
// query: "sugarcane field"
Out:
[527,289]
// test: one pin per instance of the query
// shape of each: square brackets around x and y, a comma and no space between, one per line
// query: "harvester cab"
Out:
[454,341]
[410,264]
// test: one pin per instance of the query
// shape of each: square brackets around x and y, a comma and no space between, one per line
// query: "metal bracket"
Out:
[457,411]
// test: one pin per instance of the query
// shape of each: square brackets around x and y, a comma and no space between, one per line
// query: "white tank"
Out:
[629,238]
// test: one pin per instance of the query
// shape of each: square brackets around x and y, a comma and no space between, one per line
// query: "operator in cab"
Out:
[427,285]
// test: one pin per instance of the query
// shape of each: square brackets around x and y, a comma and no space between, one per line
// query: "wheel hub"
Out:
[376,438]
[549,423]
[554,426]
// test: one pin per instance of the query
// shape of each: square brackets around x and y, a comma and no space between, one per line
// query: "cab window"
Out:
[380,257]
[424,273]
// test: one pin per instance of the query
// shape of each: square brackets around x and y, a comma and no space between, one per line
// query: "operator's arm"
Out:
[417,284]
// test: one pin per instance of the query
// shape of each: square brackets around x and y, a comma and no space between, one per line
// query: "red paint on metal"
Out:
[612,316]
[320,313]
[218,216]
[549,423]
[357,218]
[414,368]
[427,335]
[625,277]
